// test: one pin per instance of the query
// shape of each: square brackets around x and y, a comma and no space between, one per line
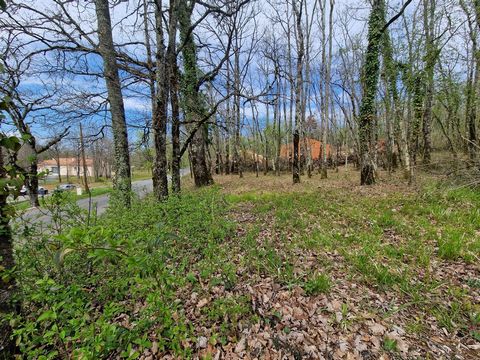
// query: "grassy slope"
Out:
[262,267]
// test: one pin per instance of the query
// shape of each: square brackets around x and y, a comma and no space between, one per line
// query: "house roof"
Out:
[70,161]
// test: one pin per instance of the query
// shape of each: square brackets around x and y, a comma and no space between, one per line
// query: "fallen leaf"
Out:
[377,329]
[241,345]
[202,303]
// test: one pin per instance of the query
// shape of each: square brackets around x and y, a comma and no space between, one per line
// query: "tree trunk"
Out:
[473,85]
[84,162]
[228,120]
[57,160]
[236,106]
[418,97]
[279,126]
[295,166]
[193,103]
[159,121]
[174,102]
[176,157]
[431,56]
[266,150]
[201,171]
[291,82]
[399,131]
[328,72]
[31,182]
[68,167]
[298,92]
[78,162]
[122,180]
[7,283]
[218,148]
[370,73]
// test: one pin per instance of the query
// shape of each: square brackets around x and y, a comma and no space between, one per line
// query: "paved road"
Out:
[140,187]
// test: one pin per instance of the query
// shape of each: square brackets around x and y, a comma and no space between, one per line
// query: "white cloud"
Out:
[136,104]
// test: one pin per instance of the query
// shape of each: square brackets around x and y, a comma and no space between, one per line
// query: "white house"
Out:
[66,166]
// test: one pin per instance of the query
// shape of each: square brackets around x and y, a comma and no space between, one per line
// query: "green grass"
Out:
[94,192]
[141,174]
[24,205]
[155,263]
[389,344]
[317,284]
[387,242]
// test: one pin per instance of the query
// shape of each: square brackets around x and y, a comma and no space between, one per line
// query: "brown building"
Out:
[315,147]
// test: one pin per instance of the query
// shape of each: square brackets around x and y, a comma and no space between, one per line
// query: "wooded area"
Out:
[312,183]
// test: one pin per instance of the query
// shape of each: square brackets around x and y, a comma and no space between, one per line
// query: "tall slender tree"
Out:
[193,103]
[370,73]
[122,179]
[173,82]
[160,116]
[297,10]
[431,55]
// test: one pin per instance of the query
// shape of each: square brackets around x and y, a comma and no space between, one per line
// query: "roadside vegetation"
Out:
[97,188]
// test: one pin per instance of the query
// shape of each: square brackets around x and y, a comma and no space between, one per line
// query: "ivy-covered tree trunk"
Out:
[173,83]
[7,263]
[394,131]
[370,73]
[192,100]
[430,60]
[472,113]
[160,118]
[298,92]
[122,180]
[31,182]
[31,173]
[201,171]
[296,166]
[399,122]
[418,101]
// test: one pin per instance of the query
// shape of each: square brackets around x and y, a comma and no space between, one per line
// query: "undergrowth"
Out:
[112,288]
[123,284]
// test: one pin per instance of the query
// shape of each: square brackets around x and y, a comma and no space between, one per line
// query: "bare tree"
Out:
[122,179]
[297,10]
[27,108]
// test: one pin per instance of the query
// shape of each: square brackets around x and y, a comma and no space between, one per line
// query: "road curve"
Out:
[140,187]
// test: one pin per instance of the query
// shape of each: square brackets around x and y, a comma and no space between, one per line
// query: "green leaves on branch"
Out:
[10,142]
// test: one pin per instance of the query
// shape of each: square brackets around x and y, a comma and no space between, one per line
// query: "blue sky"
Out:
[128,29]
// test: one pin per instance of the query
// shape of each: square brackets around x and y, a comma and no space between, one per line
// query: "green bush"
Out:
[110,289]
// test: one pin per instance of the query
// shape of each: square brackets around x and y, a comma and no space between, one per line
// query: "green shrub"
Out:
[110,289]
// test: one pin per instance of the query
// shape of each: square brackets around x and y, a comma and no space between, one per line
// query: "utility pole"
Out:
[84,162]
